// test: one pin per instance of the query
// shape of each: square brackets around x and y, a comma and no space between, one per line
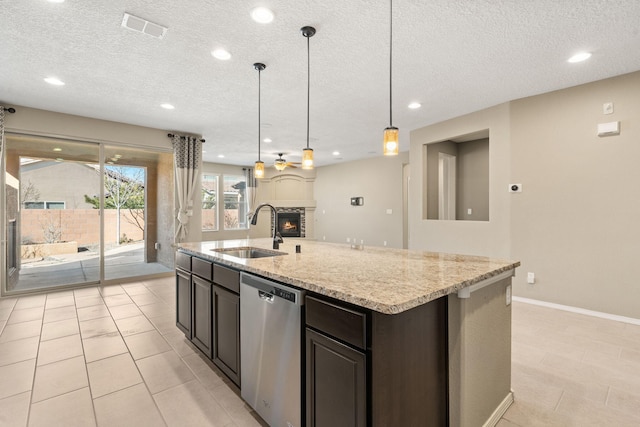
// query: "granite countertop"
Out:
[386,280]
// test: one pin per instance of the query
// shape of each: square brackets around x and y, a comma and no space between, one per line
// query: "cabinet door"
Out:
[201,306]
[183,302]
[336,386]
[226,334]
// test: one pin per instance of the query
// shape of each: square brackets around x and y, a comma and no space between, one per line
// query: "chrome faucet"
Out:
[277,238]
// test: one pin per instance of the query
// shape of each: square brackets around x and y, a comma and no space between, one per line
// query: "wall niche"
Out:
[457,178]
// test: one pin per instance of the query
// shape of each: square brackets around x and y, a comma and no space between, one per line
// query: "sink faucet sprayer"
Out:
[277,238]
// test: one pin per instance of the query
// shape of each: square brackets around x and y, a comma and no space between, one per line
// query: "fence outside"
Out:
[79,225]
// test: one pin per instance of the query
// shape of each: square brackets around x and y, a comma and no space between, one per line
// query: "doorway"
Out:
[79,213]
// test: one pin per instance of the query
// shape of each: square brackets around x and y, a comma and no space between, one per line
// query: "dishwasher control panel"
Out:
[290,296]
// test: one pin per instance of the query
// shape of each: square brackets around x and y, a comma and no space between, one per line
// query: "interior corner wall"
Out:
[575,224]
[379,181]
[489,238]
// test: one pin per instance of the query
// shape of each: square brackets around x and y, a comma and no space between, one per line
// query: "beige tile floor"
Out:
[112,356]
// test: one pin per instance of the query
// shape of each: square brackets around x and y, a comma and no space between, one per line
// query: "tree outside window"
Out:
[235,202]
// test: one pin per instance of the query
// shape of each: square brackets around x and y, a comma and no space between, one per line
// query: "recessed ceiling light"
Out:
[55,1]
[54,81]
[167,106]
[262,15]
[221,54]
[579,57]
[414,105]
[267,140]
[336,153]
[57,149]
[221,156]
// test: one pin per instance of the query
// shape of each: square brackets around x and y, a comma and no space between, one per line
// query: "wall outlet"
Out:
[157,246]
[508,301]
[469,211]
[384,243]
[531,278]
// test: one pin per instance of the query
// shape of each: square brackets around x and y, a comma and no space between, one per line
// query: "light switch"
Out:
[469,211]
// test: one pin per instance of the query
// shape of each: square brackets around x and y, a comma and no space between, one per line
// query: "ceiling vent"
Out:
[143,26]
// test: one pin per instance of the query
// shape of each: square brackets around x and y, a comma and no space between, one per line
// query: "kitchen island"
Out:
[435,341]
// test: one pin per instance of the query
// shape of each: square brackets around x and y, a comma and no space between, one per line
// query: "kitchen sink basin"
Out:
[248,252]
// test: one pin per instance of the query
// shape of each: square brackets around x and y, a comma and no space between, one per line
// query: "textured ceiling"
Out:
[453,56]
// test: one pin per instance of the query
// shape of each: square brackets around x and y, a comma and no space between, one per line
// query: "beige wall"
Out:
[467,237]
[473,181]
[479,354]
[575,225]
[379,181]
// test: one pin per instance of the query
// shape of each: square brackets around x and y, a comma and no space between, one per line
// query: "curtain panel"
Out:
[187,152]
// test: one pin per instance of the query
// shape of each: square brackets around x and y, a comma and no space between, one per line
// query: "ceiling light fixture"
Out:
[307,153]
[221,54]
[258,168]
[54,81]
[579,57]
[221,156]
[390,140]
[336,153]
[414,105]
[262,15]
[55,1]
[167,106]
[57,149]
[267,140]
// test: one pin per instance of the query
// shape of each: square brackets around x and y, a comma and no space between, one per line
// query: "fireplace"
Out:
[289,224]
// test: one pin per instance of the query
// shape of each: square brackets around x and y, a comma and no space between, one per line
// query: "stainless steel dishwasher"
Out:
[270,349]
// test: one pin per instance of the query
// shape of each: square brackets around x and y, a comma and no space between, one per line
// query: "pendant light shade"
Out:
[307,153]
[258,169]
[391,143]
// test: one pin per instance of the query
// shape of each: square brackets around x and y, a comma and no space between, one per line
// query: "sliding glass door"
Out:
[78,213]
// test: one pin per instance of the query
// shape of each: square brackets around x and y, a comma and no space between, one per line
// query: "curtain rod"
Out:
[171,135]
[9,109]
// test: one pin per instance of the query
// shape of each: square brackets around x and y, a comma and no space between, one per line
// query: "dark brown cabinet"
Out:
[201,305]
[368,368]
[208,310]
[183,293]
[336,388]
[226,321]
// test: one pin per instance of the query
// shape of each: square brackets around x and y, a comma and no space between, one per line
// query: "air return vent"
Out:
[143,26]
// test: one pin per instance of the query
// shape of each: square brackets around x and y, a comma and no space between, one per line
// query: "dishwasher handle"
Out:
[265,296]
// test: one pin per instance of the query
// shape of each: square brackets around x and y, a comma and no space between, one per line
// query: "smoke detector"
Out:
[143,26]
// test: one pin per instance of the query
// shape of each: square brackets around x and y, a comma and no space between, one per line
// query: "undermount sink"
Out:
[248,252]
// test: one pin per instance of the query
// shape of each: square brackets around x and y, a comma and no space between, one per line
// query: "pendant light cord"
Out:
[259,91]
[308,88]
[390,63]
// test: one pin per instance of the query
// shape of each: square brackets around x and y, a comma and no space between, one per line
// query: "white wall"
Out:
[379,181]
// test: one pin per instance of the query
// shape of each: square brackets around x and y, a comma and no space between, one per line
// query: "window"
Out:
[44,205]
[235,202]
[209,202]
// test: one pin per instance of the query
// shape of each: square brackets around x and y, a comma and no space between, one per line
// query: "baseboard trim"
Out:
[500,411]
[579,310]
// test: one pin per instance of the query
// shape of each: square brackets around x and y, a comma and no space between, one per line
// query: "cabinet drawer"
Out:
[183,261]
[347,325]
[202,268]
[227,278]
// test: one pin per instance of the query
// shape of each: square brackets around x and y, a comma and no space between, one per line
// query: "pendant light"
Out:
[307,153]
[258,170]
[390,143]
